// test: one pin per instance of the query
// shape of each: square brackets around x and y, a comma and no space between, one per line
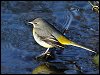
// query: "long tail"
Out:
[63,40]
[77,45]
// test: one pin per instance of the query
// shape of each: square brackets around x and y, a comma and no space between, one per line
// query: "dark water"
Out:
[18,47]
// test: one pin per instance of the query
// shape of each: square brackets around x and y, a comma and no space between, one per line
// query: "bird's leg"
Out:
[44,52]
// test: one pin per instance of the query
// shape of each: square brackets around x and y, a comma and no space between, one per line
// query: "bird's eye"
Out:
[35,23]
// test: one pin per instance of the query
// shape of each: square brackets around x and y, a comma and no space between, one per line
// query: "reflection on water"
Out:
[19,49]
[47,69]
[96,59]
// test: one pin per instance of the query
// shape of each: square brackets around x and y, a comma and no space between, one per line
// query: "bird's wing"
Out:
[50,39]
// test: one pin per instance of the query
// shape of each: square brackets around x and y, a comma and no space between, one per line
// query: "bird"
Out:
[46,35]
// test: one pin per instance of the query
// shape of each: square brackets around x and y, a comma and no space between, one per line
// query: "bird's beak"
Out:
[30,22]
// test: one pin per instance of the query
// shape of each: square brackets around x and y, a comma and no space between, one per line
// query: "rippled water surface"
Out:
[18,47]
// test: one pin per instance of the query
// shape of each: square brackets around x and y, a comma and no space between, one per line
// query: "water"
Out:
[18,47]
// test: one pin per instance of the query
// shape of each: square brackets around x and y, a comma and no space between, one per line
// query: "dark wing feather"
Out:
[51,40]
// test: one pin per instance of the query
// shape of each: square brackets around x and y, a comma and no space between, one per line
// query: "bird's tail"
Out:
[77,45]
[63,40]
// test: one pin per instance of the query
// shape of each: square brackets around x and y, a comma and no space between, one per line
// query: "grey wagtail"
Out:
[48,36]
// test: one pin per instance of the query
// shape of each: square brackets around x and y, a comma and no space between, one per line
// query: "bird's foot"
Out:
[46,56]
